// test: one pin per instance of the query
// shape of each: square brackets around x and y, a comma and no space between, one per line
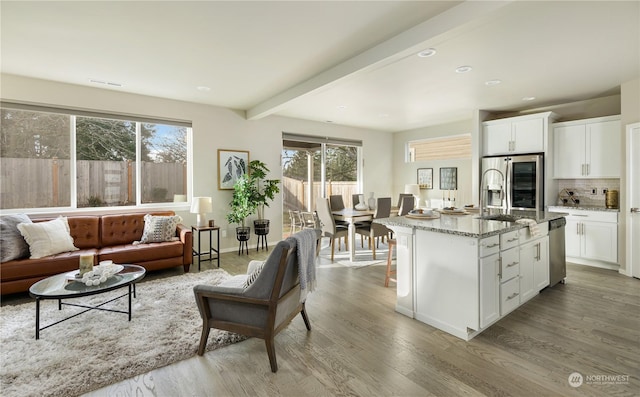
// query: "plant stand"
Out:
[243,234]
[261,228]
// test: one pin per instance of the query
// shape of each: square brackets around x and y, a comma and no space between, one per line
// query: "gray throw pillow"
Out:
[12,244]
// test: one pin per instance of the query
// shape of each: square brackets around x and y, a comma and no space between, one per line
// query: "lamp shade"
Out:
[413,189]
[200,206]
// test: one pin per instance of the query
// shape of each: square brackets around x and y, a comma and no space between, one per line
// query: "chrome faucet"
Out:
[482,189]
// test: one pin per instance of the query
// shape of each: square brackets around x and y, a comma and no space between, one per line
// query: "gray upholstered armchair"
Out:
[268,304]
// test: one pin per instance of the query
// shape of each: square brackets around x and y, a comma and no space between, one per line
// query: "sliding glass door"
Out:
[315,167]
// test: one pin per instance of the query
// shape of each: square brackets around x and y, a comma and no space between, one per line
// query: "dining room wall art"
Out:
[425,178]
[232,164]
[448,178]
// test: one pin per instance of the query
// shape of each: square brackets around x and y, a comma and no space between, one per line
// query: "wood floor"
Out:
[359,346]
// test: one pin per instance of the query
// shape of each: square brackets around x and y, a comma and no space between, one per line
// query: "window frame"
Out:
[73,186]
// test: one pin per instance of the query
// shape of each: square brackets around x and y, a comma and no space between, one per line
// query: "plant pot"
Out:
[261,227]
[243,233]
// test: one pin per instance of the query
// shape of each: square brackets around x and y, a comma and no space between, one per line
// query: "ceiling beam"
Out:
[384,53]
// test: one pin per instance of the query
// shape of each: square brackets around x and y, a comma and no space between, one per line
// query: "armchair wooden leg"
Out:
[305,318]
[203,339]
[271,351]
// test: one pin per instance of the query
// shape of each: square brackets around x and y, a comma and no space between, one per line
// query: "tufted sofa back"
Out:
[124,228]
[85,230]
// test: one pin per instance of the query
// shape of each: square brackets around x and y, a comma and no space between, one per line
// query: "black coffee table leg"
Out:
[37,318]
[130,291]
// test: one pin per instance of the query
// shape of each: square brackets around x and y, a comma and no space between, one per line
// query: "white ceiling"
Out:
[351,63]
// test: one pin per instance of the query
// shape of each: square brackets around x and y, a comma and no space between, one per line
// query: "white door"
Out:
[633,199]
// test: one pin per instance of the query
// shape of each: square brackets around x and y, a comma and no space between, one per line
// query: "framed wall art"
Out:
[448,178]
[425,178]
[232,164]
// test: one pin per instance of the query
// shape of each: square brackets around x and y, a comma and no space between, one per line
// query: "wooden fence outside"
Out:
[42,183]
[294,195]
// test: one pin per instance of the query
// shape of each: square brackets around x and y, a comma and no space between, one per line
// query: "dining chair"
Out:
[355,199]
[406,204]
[403,195]
[309,220]
[336,202]
[375,230]
[328,225]
[294,219]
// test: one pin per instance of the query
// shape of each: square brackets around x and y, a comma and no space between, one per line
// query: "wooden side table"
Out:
[199,253]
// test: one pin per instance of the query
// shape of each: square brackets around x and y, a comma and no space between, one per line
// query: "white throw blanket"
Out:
[533,226]
[305,241]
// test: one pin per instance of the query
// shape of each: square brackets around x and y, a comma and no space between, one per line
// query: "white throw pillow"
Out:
[254,272]
[47,238]
[160,228]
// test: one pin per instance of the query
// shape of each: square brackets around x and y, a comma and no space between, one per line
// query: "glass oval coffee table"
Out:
[67,286]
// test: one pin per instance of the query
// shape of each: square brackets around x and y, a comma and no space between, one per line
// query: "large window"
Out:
[62,160]
[447,148]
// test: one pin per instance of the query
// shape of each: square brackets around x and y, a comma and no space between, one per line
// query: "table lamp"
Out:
[200,206]
[413,189]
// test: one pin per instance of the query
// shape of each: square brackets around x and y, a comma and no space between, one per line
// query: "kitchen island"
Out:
[461,274]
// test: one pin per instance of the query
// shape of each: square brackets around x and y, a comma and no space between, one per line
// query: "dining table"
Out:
[353,216]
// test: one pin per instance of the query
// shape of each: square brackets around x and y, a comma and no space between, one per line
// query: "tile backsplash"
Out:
[583,189]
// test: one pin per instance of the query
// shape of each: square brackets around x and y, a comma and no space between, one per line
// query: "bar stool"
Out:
[392,243]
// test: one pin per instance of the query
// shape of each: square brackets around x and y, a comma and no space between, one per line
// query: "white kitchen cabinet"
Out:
[522,134]
[489,290]
[587,148]
[534,267]
[591,235]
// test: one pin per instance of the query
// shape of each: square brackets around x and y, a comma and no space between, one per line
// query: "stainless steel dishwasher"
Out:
[557,259]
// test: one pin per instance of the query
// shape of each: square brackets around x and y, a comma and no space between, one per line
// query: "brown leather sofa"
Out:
[107,237]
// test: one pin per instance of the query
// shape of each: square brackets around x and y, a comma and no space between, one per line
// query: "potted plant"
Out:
[264,190]
[250,193]
[242,205]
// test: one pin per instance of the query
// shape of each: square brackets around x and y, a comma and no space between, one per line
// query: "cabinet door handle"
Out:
[512,296]
[493,245]
[512,264]
[635,210]
[500,268]
[538,252]
[511,240]
[588,168]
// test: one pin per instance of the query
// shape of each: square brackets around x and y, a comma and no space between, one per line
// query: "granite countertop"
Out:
[469,225]
[583,207]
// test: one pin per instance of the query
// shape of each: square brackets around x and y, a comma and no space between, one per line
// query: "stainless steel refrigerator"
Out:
[513,182]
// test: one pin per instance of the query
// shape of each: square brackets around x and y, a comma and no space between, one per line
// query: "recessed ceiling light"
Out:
[329,121]
[463,69]
[203,88]
[429,52]
[342,107]
[493,82]
[528,98]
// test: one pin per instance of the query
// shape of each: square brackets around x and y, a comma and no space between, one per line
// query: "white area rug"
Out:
[99,348]
[364,256]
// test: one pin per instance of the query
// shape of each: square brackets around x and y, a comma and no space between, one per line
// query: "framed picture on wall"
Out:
[448,178]
[425,178]
[232,164]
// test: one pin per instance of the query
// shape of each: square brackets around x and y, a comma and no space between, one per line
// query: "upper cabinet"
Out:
[587,148]
[514,135]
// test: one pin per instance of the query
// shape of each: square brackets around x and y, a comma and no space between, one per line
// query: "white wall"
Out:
[406,173]
[213,128]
